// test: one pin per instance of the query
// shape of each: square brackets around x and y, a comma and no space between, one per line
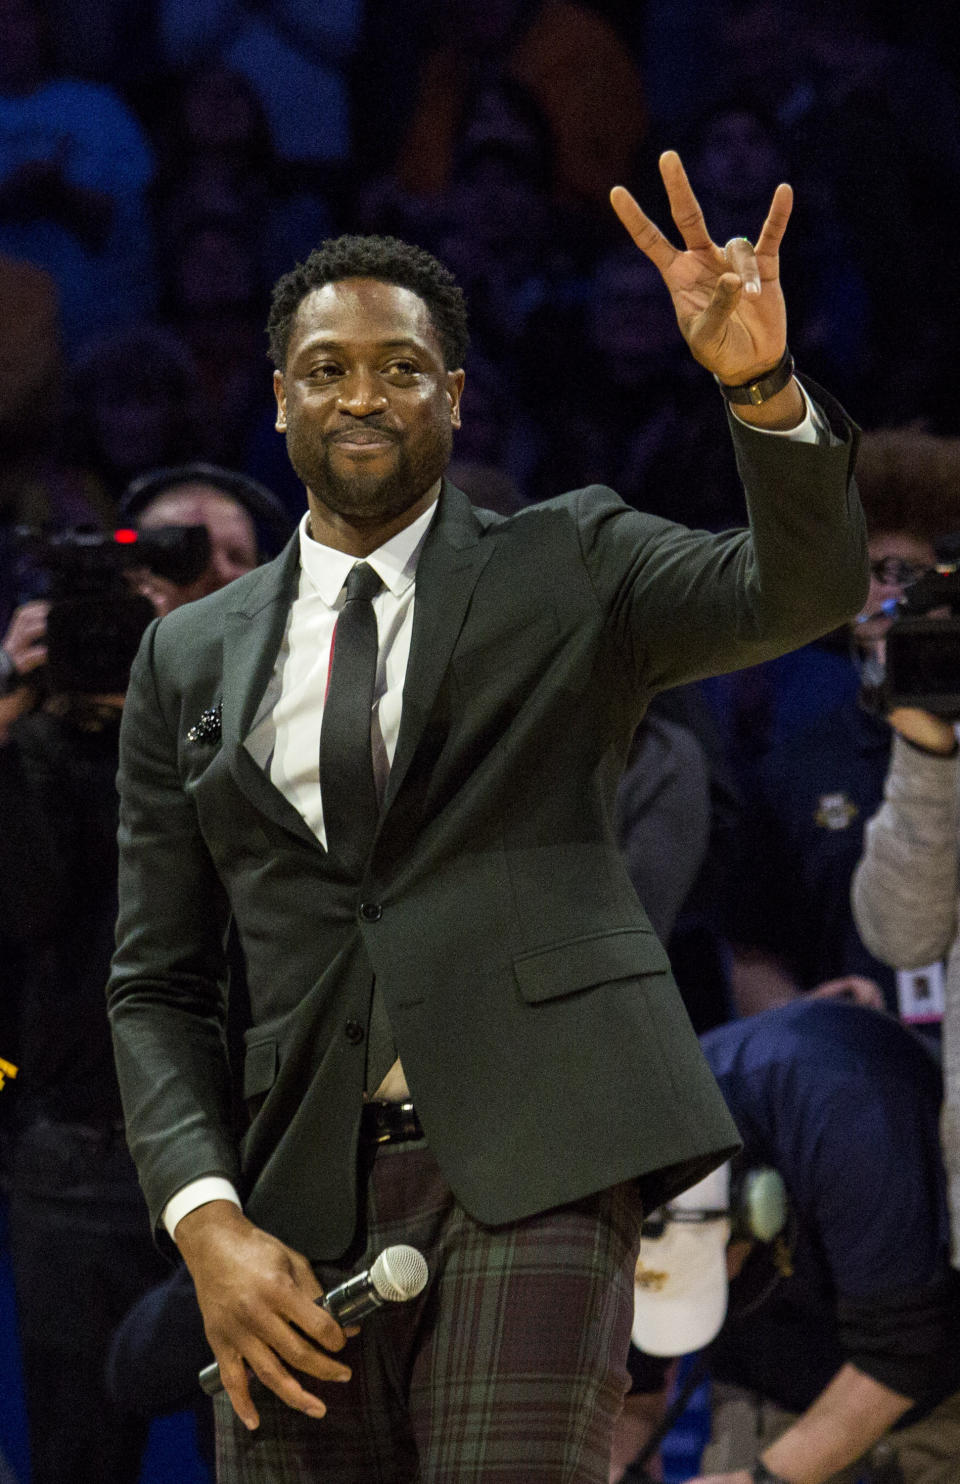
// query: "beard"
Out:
[363,497]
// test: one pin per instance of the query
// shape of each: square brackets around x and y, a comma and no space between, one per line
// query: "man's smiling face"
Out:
[367,404]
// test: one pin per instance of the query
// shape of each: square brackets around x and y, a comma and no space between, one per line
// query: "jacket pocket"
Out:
[582,963]
[259,1068]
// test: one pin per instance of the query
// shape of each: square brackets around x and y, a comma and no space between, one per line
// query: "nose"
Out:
[360,394]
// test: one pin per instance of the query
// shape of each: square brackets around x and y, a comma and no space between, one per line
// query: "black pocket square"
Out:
[207,729]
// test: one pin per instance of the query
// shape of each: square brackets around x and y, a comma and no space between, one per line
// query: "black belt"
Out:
[389,1123]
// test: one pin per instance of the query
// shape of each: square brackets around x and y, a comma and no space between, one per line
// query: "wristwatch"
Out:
[755,393]
[762,1475]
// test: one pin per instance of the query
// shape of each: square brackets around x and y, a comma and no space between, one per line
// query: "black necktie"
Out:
[347,788]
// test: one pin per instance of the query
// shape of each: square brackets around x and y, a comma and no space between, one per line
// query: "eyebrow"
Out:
[329,342]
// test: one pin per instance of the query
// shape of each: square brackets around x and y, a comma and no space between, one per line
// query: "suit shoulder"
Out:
[577,507]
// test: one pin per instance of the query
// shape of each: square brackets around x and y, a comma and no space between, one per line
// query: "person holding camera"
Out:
[78,1247]
[789,916]
[906,888]
[79,1231]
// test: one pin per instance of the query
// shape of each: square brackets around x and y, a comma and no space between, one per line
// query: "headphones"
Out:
[758,1204]
[266,510]
[757,1208]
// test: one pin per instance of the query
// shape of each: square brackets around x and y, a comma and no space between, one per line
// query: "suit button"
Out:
[371,911]
[354,1032]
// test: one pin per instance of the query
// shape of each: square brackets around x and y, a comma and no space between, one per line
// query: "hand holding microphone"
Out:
[398,1274]
[262,1310]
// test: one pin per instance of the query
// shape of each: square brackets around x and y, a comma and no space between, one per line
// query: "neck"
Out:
[356,536]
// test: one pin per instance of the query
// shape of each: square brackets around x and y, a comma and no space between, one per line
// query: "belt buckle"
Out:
[409,1123]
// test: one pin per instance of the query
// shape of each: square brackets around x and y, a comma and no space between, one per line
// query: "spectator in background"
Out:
[218,159]
[80,1238]
[571,61]
[891,116]
[663,817]
[626,409]
[135,404]
[38,485]
[214,302]
[500,236]
[80,1248]
[906,889]
[74,170]
[294,53]
[802,835]
[30,365]
[244,522]
[843,1305]
[492,450]
[741,152]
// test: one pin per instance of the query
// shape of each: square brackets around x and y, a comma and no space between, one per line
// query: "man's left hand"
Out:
[727,300]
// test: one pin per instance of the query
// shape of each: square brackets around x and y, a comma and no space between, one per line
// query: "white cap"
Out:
[680,1289]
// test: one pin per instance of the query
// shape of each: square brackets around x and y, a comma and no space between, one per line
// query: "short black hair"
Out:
[384,258]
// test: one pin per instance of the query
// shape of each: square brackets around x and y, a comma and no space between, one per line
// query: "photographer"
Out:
[790,919]
[244,521]
[79,1246]
[835,1356]
[79,1233]
[905,890]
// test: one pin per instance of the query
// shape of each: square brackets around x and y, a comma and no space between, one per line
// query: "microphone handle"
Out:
[348,1303]
[353,1300]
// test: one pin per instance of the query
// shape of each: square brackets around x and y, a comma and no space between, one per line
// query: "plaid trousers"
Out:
[508,1369]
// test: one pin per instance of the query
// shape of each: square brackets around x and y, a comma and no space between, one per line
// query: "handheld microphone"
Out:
[398,1274]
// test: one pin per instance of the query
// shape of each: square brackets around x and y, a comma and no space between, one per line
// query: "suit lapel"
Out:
[253,634]
[450,564]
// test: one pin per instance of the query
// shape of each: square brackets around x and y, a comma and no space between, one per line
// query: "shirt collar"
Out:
[395,562]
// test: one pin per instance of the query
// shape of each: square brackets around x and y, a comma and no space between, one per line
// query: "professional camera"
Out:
[96,617]
[922,652]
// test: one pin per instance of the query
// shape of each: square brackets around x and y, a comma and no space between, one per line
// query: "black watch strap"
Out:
[755,393]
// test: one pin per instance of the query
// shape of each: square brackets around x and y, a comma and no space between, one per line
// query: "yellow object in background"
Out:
[7,1069]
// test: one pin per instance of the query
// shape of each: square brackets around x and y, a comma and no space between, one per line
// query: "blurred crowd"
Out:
[162,163]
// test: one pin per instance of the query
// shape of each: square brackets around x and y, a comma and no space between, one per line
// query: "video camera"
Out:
[96,617]
[922,653]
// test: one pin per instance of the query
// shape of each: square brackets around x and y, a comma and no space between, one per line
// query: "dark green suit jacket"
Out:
[542,1036]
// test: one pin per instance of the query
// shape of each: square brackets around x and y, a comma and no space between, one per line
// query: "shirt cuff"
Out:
[197,1193]
[813,428]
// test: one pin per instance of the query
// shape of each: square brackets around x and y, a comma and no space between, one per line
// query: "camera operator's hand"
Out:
[24,643]
[930,732]
[854,988]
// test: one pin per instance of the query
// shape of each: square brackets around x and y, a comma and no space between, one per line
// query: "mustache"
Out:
[366,425]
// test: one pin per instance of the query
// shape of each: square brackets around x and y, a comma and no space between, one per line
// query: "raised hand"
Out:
[728,300]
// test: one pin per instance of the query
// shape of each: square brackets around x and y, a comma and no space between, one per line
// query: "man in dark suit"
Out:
[464,1033]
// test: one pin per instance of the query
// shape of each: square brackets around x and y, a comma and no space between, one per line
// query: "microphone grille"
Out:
[399,1273]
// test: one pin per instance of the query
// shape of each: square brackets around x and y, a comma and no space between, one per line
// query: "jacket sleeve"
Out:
[686,604]
[167,992]
[904,890]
